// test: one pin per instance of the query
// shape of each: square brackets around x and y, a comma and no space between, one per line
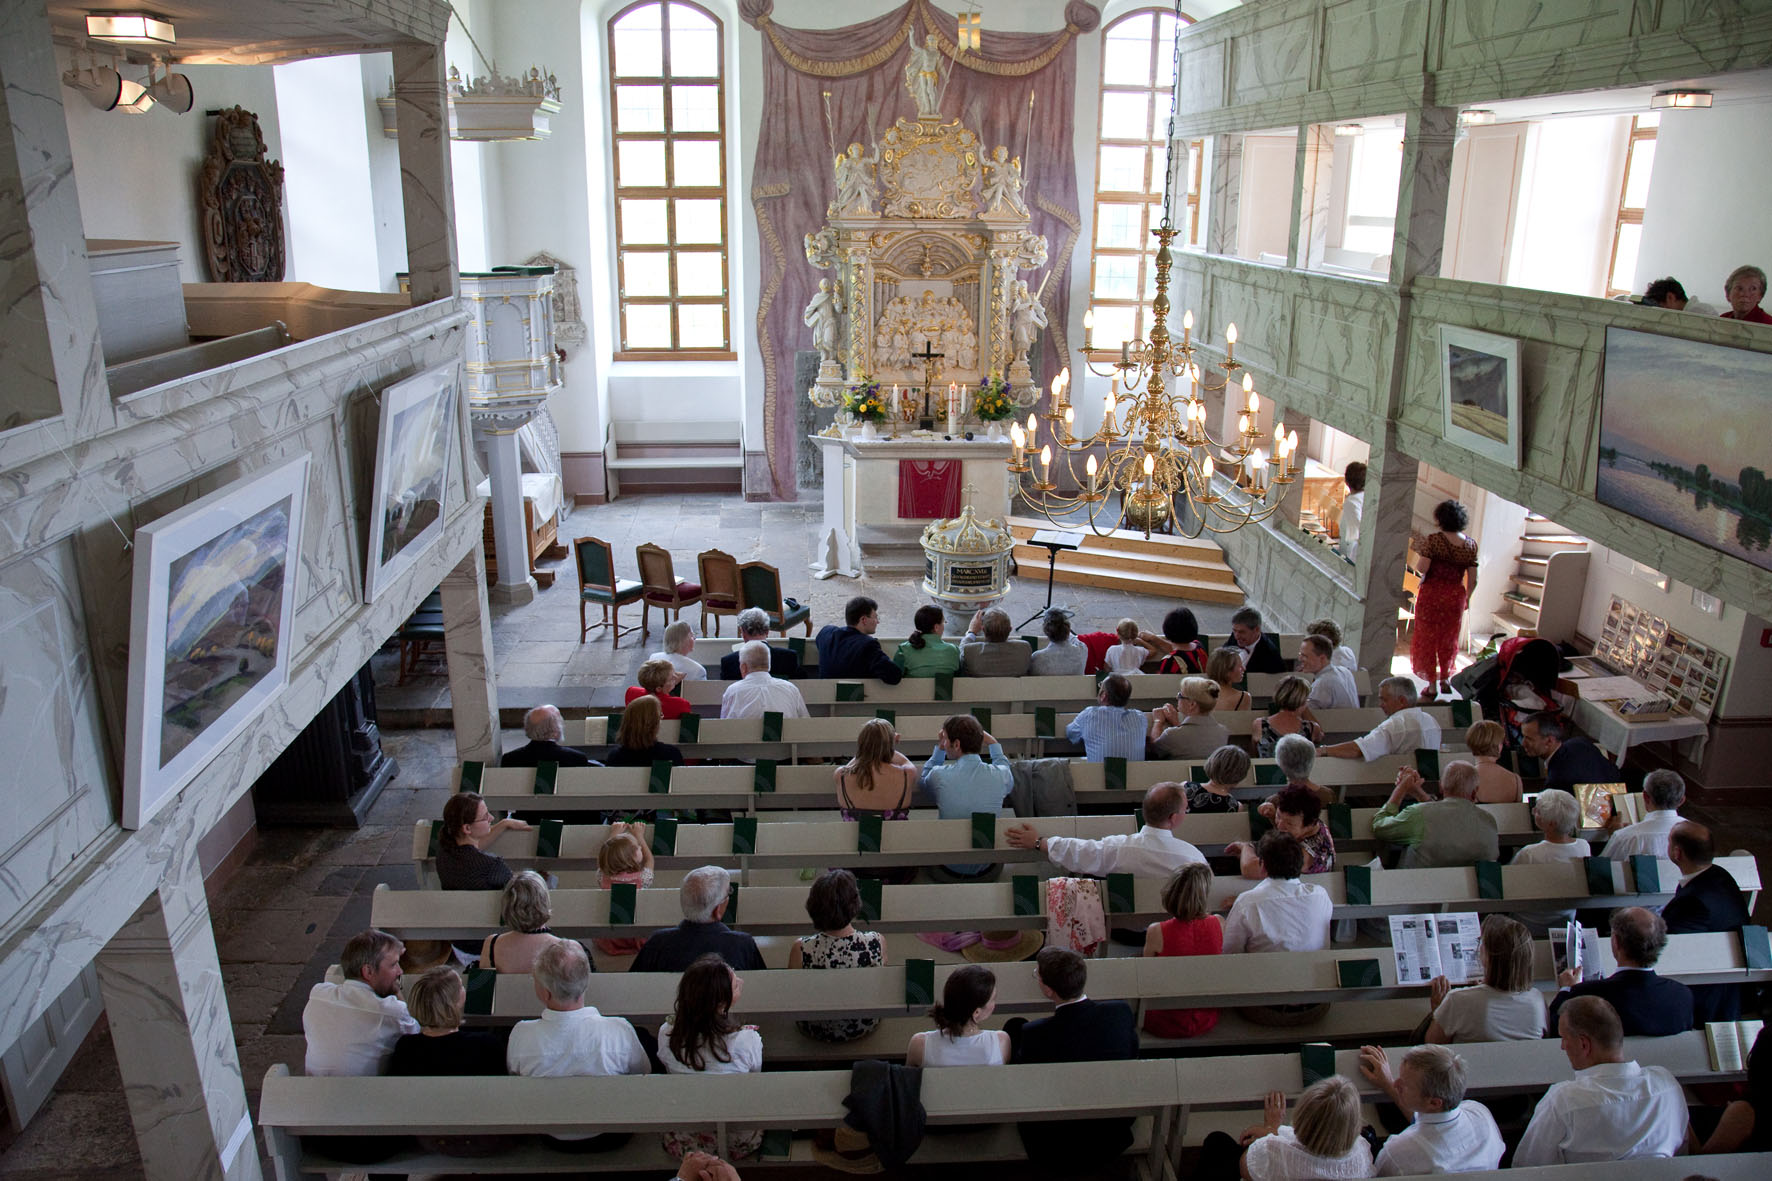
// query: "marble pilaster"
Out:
[422,114]
[1226,187]
[162,988]
[467,647]
[1385,518]
[1428,136]
[1315,170]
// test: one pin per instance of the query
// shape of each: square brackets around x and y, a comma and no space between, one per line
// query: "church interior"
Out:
[344,339]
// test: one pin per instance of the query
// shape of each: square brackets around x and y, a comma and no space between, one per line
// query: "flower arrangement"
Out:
[993,403]
[864,400]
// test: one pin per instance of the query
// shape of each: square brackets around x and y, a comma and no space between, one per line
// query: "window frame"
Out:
[1628,214]
[670,193]
[1156,144]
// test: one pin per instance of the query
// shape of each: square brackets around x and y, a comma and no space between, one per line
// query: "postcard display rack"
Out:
[1673,665]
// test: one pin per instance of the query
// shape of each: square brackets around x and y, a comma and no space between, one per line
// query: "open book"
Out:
[1730,1043]
[1599,800]
[1430,945]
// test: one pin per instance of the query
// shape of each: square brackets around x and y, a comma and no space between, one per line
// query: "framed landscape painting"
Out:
[213,599]
[411,465]
[1683,440]
[1480,390]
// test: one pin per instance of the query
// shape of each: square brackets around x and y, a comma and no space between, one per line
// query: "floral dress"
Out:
[744,1048]
[1270,737]
[1201,800]
[859,949]
[1439,606]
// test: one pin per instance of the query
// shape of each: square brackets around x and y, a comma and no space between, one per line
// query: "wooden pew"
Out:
[1166,1091]
[794,844]
[709,649]
[780,910]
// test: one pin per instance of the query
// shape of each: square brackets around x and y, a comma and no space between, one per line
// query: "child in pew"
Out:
[1323,1142]
[625,857]
[1189,930]
[967,1000]
[701,1038]
[832,904]
[1129,655]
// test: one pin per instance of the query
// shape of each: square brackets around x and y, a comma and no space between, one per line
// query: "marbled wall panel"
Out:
[1343,351]
[1368,39]
[1488,31]
[1202,83]
[1264,329]
[1273,61]
[1294,587]
[49,728]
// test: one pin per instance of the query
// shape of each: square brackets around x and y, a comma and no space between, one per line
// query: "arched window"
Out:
[668,125]
[1137,78]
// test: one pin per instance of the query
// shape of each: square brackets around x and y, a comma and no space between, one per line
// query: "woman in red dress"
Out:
[1449,561]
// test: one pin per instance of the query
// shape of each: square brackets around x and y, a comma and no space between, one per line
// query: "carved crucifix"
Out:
[929,357]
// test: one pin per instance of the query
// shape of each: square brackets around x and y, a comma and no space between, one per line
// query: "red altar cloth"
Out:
[928,488]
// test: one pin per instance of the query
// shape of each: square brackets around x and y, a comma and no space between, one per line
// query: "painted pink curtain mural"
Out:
[862,66]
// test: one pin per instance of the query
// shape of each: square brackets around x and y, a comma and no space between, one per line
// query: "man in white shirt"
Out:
[1348,526]
[1282,913]
[1154,851]
[1332,686]
[1612,1109]
[756,692]
[1450,1134]
[571,1038]
[1406,727]
[351,1026]
[1663,793]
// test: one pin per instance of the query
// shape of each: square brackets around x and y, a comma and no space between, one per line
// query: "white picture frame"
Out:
[1480,393]
[417,429]
[213,590]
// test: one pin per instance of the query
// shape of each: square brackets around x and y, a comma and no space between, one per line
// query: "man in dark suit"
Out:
[544,728]
[1567,761]
[1079,1030]
[1261,654]
[753,624]
[851,650]
[1708,900]
[1648,1005]
[703,897]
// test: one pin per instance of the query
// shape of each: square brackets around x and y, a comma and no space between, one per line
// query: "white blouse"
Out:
[1280,1157]
[984,1048]
[744,1047]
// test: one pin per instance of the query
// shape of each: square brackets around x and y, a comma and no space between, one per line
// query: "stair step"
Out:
[1555,545]
[1540,563]
[1513,625]
[1034,558]
[1125,540]
[1536,584]
[1523,602]
[1167,586]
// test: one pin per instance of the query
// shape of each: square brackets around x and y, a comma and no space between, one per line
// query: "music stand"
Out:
[1054,540]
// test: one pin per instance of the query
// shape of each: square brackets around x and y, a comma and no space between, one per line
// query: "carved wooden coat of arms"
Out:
[241,196]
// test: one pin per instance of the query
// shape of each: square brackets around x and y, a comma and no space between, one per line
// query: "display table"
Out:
[1616,733]
[862,493]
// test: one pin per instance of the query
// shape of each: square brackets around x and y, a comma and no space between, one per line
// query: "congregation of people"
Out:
[1612,1108]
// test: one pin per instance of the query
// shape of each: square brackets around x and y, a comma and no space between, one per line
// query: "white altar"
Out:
[861,494]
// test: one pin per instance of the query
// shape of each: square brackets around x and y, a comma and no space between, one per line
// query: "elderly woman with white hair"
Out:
[525,911]
[1557,816]
[1296,759]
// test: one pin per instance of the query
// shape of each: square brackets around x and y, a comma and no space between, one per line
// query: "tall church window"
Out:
[1137,80]
[1627,236]
[668,125]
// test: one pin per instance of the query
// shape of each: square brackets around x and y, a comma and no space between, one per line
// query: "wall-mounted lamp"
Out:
[1476,116]
[130,28]
[1348,130]
[172,91]
[1681,99]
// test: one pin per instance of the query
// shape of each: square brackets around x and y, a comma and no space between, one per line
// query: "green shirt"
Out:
[1399,826]
[933,659]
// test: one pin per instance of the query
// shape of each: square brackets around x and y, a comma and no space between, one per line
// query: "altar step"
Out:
[1171,567]
[891,551]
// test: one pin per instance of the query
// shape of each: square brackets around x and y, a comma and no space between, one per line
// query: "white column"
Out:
[836,552]
[421,112]
[467,647]
[162,988]
[510,539]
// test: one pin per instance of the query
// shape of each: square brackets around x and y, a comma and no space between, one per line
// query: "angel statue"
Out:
[821,249]
[855,180]
[1002,181]
[821,316]
[922,77]
[1026,317]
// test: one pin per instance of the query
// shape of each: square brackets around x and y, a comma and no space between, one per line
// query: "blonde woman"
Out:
[1189,930]
[636,743]
[1323,1142]
[878,781]
[1290,696]
[1505,1007]
[1226,667]
[1495,783]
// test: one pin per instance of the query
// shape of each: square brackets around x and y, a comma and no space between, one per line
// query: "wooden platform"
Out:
[1171,567]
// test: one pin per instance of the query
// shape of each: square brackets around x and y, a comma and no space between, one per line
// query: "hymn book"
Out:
[1730,1043]
[1430,945]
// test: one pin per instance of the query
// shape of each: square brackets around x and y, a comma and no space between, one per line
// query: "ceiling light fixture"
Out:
[1476,116]
[1681,99]
[172,91]
[1349,130]
[130,28]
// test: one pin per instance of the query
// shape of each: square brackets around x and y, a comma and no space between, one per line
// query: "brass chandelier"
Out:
[1164,451]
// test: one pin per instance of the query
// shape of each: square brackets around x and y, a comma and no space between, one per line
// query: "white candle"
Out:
[1094,477]
[1125,353]
[1046,464]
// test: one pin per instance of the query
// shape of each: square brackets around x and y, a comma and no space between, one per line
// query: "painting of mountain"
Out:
[411,465]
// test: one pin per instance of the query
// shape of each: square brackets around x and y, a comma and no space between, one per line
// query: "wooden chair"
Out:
[760,586]
[597,583]
[662,590]
[421,635]
[719,586]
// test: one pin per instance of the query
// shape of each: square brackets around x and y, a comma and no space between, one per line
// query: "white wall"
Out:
[1568,205]
[1264,208]
[1707,211]
[137,174]
[477,209]
[328,181]
[386,196]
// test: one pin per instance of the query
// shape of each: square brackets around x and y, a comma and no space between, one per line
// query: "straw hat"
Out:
[1006,947]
